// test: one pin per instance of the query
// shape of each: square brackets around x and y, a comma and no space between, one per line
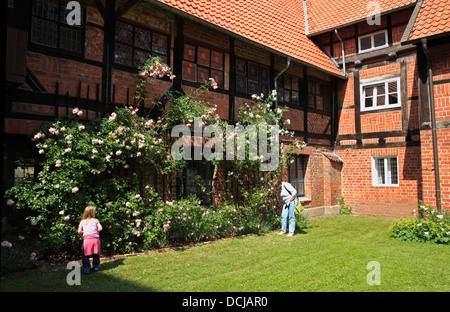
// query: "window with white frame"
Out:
[385,171]
[373,41]
[380,94]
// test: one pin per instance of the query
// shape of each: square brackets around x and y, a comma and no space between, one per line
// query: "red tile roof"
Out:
[329,14]
[276,24]
[433,19]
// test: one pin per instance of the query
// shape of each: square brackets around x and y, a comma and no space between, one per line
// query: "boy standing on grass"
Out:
[90,228]
[289,195]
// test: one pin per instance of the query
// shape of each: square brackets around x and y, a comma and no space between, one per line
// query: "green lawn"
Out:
[331,255]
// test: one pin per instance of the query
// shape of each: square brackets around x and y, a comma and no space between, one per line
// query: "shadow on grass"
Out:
[111,264]
[105,280]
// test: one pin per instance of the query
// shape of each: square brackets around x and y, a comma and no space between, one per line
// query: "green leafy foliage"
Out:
[343,208]
[429,226]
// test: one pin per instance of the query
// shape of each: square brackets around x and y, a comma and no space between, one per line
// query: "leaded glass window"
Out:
[49,26]
[252,78]
[135,44]
[201,63]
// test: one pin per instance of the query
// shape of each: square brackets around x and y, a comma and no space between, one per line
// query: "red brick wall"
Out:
[441,70]
[346,106]
[94,35]
[392,201]
[68,73]
[429,186]
[245,50]
[357,188]
[322,178]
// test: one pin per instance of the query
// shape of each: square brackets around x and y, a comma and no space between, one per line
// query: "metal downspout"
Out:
[433,123]
[288,63]
[343,53]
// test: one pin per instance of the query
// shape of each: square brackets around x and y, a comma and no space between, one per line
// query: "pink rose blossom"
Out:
[213,83]
[77,111]
[6,244]
[112,117]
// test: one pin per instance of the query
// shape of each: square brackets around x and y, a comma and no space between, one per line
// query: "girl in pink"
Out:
[89,227]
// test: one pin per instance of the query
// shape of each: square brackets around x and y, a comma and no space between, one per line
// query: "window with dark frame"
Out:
[252,78]
[296,173]
[133,45]
[49,26]
[196,179]
[201,63]
[289,89]
[319,95]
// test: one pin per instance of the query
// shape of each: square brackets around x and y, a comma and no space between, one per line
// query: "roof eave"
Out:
[430,37]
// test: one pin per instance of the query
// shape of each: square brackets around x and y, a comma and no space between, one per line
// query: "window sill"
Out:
[303,199]
[381,109]
[373,49]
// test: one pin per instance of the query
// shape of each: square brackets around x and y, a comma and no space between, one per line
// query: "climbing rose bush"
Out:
[91,163]
[110,163]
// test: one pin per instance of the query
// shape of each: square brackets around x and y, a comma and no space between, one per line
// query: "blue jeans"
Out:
[288,210]
[87,264]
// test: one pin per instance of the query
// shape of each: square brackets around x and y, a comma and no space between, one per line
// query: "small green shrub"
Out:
[343,208]
[429,226]
[17,254]
[186,221]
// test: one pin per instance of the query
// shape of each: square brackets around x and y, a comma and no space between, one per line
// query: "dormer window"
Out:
[373,41]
